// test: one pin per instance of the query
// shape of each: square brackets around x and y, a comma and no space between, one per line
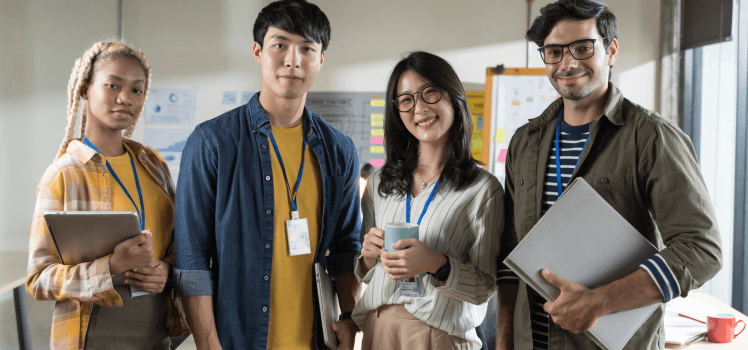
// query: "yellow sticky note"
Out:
[377,103]
[500,136]
[376,149]
[377,132]
[377,119]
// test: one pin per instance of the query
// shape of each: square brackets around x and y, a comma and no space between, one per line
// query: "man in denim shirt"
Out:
[247,232]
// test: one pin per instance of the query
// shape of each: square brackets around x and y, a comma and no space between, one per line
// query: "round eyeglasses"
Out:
[405,102]
[580,50]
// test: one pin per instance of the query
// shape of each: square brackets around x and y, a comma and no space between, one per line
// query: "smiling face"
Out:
[577,80]
[428,123]
[115,96]
[289,62]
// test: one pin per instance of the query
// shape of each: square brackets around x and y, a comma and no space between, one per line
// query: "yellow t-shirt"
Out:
[291,304]
[159,209]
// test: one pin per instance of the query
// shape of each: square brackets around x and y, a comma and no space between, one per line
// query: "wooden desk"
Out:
[740,343]
[13,277]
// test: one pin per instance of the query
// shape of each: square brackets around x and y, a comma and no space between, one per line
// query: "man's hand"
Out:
[577,308]
[346,331]
[149,279]
[371,248]
[414,259]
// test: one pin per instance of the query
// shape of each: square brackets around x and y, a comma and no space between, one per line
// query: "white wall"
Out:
[206,46]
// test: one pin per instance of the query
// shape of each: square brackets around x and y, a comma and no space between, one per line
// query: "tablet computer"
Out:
[84,236]
[328,305]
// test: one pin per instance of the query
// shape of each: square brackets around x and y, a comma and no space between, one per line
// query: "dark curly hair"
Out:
[401,147]
[580,10]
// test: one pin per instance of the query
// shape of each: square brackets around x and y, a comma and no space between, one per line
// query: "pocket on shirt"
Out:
[617,190]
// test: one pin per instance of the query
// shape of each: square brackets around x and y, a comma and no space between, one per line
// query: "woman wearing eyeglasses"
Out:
[431,179]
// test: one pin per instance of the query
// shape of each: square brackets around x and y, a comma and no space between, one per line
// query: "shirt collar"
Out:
[259,119]
[78,149]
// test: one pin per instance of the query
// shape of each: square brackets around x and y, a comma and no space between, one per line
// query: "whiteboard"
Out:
[518,98]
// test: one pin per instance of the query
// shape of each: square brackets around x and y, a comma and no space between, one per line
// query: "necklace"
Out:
[425,183]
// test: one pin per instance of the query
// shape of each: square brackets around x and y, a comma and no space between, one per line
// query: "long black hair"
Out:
[401,147]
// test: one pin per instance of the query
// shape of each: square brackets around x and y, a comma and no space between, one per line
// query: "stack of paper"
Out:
[680,330]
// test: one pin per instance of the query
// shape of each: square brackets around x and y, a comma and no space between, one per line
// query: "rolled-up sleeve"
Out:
[345,244]
[682,209]
[194,227]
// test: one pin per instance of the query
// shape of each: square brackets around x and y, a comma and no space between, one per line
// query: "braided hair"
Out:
[82,76]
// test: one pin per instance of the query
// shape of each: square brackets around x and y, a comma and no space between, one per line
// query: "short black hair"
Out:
[401,147]
[294,16]
[578,10]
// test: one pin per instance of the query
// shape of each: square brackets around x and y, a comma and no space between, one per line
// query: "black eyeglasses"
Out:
[406,102]
[580,50]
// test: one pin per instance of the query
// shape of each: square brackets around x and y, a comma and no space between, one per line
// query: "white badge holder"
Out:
[297,231]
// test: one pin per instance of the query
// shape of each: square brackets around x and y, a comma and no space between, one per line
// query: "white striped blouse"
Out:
[466,226]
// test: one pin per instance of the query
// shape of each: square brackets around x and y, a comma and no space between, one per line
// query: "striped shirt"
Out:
[465,226]
[572,142]
[79,180]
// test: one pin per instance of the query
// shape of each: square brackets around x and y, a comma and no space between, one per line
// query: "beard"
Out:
[579,92]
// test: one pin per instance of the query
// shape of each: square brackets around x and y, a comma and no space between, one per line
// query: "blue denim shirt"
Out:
[224,226]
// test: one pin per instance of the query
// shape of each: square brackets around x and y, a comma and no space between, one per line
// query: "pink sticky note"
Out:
[502,155]
[377,139]
[377,162]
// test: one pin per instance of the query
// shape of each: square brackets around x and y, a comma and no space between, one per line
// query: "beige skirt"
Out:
[138,324]
[394,327]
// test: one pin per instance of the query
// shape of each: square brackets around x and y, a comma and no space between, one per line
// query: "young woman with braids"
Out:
[430,178]
[106,171]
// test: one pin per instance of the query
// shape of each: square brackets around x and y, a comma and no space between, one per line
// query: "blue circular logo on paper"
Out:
[157,109]
[173,98]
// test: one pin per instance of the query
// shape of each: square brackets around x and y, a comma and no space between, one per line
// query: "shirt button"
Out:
[266,277]
[267,126]
[267,178]
[264,147]
[604,180]
[521,182]
[268,211]
[267,246]
[264,309]
[255,130]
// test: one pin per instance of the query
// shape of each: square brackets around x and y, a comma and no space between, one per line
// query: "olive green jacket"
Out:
[646,168]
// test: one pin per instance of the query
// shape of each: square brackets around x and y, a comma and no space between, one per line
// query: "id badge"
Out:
[412,287]
[297,231]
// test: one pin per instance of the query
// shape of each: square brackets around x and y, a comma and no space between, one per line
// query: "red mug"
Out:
[721,328]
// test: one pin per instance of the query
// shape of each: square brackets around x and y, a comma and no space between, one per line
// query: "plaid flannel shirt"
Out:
[80,181]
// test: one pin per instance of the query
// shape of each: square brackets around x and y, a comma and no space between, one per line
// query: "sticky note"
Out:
[376,149]
[246,96]
[502,155]
[500,136]
[229,97]
[377,162]
[377,103]
[479,122]
[377,139]
[477,144]
[377,119]
[377,132]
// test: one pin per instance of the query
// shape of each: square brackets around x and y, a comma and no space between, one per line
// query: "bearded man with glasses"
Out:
[643,165]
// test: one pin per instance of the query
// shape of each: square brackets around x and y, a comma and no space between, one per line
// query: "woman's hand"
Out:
[133,253]
[149,279]
[372,248]
[414,258]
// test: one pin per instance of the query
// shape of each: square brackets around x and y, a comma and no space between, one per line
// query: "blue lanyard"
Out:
[559,182]
[425,207]
[141,212]
[301,169]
